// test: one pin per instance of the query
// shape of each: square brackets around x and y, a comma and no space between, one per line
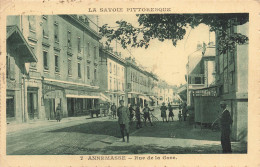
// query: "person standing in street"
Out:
[138,116]
[131,110]
[123,120]
[58,113]
[179,115]
[163,112]
[225,124]
[146,112]
[171,115]
[113,109]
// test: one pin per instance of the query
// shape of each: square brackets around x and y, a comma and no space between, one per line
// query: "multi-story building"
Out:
[19,55]
[112,75]
[165,93]
[141,85]
[200,69]
[232,82]
[67,49]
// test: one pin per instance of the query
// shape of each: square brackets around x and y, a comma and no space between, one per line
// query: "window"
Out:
[226,83]
[45,60]
[95,74]
[31,20]
[119,86]
[88,48]
[110,83]
[231,78]
[114,69]
[69,39]
[95,52]
[231,57]
[45,26]
[123,86]
[88,72]
[57,69]
[110,67]
[79,45]
[56,32]
[69,67]
[8,67]
[198,80]
[79,70]
[114,83]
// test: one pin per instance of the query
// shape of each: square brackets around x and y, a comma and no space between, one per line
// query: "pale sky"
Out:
[165,60]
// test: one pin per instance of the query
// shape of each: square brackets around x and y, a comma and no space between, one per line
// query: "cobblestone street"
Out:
[84,136]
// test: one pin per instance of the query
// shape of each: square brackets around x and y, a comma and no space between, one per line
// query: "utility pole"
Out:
[188,100]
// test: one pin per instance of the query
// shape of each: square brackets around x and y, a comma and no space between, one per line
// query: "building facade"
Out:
[200,69]
[112,75]
[67,49]
[165,93]
[141,85]
[18,57]
[232,82]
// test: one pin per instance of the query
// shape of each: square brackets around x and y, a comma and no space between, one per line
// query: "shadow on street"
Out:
[162,130]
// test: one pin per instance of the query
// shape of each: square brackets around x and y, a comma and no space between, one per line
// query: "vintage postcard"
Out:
[132,83]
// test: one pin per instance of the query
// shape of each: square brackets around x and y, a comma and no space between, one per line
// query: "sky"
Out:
[162,58]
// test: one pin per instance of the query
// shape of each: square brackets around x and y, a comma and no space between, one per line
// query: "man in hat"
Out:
[123,120]
[225,124]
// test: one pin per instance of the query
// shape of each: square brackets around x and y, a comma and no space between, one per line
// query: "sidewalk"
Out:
[15,127]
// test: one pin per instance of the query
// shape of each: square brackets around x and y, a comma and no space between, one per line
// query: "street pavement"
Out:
[86,136]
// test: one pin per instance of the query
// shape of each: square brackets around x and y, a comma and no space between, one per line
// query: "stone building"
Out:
[232,82]
[165,93]
[18,56]
[67,49]
[112,75]
[141,84]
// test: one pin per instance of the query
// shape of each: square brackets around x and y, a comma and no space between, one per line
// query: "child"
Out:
[179,115]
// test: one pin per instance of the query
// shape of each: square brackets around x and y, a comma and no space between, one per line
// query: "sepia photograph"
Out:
[127,84]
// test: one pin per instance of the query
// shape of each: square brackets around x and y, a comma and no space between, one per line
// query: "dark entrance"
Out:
[32,102]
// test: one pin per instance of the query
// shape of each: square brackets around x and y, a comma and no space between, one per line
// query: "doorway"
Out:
[32,103]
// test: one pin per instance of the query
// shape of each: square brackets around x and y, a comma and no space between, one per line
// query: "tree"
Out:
[173,27]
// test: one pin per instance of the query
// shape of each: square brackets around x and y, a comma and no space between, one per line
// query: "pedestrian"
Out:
[184,111]
[163,112]
[131,110]
[107,108]
[170,113]
[179,115]
[113,109]
[146,112]
[58,113]
[123,120]
[138,116]
[225,124]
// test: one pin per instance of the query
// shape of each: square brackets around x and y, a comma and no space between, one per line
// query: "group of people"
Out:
[182,112]
[126,115]
[163,109]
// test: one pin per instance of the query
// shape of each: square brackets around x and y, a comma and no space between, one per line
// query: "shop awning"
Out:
[16,40]
[82,96]
[104,98]
[69,85]
[144,97]
[153,98]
